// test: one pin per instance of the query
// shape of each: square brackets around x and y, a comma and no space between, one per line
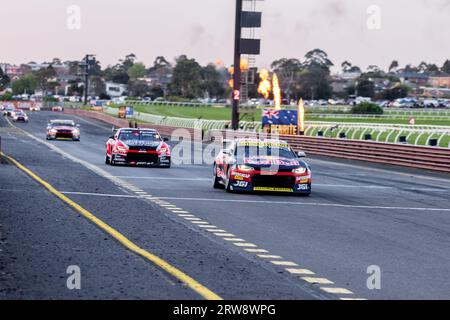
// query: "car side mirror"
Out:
[111,137]
[301,154]
[78,125]
[226,151]
[165,139]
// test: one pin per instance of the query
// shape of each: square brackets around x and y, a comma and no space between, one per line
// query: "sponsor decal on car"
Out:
[273,189]
[262,144]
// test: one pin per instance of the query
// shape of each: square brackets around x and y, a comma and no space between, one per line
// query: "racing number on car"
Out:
[241,184]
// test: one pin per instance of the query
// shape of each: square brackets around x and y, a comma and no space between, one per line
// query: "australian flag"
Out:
[279,117]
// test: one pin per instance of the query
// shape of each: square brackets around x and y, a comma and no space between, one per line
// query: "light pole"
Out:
[236,96]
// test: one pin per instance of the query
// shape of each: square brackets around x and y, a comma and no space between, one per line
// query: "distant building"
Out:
[116,89]
[11,70]
[413,77]
[440,81]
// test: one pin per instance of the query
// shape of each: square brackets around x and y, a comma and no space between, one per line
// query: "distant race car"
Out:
[63,129]
[57,109]
[34,108]
[19,116]
[138,147]
[262,166]
[7,111]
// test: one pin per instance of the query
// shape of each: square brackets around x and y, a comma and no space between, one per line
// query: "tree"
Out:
[365,88]
[187,77]
[74,89]
[119,72]
[317,59]
[346,66]
[4,80]
[212,83]
[446,67]
[394,66]
[26,84]
[314,82]
[397,92]
[97,86]
[137,70]
[138,88]
[46,79]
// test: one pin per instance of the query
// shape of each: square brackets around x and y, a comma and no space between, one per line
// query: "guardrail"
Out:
[436,159]
[124,123]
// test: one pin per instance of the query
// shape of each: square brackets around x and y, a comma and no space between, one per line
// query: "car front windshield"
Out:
[62,124]
[136,135]
[280,151]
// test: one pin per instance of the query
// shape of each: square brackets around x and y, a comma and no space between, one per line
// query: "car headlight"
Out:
[53,131]
[243,167]
[299,170]
[121,149]
[76,131]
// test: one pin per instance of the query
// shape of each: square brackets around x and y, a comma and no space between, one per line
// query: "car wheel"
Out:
[107,160]
[228,187]
[216,183]
[112,161]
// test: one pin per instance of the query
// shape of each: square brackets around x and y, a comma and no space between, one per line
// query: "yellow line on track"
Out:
[178,274]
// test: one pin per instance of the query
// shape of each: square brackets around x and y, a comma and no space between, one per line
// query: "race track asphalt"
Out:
[359,215]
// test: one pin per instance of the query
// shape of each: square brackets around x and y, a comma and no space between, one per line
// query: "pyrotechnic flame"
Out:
[244,64]
[301,117]
[264,87]
[276,92]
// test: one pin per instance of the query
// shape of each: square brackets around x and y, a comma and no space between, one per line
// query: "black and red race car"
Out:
[262,166]
[138,147]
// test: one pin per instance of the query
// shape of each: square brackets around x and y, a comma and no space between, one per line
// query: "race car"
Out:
[19,115]
[63,129]
[261,166]
[8,110]
[57,109]
[35,108]
[137,147]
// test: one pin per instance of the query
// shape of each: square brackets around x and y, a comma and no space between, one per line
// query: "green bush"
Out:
[367,108]
[6,97]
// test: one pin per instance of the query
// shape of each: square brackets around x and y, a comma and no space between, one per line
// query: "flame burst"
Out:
[301,117]
[276,92]
[264,87]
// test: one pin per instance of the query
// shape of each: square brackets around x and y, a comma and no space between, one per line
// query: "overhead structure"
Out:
[88,66]
[247,20]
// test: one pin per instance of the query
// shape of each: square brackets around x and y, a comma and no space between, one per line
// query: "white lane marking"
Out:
[256,250]
[186,215]
[300,271]
[216,230]
[180,211]
[268,202]
[200,222]
[309,204]
[269,256]
[336,290]
[162,178]
[284,263]
[249,245]
[410,175]
[193,219]
[317,280]
[234,239]
[207,226]
[352,299]
[224,234]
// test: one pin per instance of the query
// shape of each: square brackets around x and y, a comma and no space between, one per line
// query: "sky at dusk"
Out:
[409,31]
